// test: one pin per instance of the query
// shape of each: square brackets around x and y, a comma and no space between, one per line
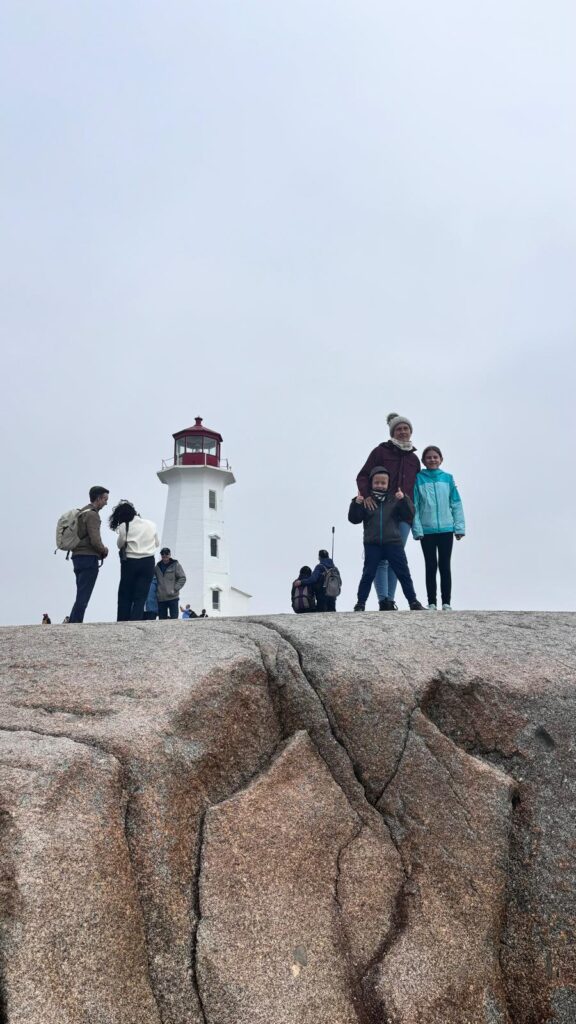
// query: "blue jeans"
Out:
[396,556]
[86,572]
[385,580]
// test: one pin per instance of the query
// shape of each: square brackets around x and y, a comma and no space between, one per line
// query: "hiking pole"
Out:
[333,531]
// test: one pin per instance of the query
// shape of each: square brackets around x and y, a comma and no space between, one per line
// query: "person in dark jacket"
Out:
[382,537]
[303,598]
[324,603]
[399,456]
[171,578]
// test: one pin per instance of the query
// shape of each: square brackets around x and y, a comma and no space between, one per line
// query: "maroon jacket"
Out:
[402,466]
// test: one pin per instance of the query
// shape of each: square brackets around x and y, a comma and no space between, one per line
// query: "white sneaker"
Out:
[432,608]
[446,608]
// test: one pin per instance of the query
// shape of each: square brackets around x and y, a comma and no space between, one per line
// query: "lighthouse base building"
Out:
[194,529]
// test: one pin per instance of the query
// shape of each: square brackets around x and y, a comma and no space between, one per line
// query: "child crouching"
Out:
[382,538]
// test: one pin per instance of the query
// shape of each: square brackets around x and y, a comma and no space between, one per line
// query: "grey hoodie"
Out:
[171,581]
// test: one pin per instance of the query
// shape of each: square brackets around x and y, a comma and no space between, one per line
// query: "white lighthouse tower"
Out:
[196,478]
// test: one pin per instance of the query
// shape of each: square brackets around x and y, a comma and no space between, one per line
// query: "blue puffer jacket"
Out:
[438,506]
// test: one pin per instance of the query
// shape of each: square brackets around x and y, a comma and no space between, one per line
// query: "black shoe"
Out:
[358,607]
[416,607]
[387,605]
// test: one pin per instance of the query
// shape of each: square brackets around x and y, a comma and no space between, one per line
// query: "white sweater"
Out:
[142,538]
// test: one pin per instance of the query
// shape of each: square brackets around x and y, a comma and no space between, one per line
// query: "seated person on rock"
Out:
[303,598]
[326,581]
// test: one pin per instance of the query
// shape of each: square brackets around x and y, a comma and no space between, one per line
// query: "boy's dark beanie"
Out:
[379,469]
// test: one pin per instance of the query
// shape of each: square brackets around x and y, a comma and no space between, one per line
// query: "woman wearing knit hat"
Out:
[399,456]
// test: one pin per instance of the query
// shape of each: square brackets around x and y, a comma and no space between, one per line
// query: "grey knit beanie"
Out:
[379,469]
[394,420]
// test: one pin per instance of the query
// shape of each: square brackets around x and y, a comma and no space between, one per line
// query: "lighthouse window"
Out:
[216,600]
[214,547]
[211,499]
[210,445]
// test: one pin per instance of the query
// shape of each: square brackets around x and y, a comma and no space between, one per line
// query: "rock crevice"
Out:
[289,820]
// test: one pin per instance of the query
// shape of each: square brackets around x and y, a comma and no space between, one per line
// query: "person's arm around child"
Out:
[405,508]
[357,509]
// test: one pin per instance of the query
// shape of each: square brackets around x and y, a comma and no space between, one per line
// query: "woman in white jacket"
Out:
[137,541]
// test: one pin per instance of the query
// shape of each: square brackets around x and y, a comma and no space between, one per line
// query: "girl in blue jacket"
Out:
[438,518]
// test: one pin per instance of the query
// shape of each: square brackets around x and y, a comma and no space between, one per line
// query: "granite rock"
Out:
[297,818]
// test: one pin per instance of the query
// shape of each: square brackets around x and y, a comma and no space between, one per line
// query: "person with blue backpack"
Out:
[438,518]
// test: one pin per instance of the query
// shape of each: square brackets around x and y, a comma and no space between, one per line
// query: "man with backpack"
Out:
[326,583]
[88,551]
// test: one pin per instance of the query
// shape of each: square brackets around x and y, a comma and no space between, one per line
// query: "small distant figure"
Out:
[171,578]
[303,596]
[326,582]
[65,619]
[438,518]
[137,543]
[203,614]
[46,620]
[187,612]
[151,606]
[382,537]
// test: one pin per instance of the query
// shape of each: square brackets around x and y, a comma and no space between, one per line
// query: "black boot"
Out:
[416,607]
[359,607]
[387,605]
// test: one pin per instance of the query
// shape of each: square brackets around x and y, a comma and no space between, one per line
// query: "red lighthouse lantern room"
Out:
[197,446]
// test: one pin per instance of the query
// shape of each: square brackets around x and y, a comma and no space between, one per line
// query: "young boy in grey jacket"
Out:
[382,538]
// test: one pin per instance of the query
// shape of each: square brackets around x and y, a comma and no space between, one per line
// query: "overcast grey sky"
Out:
[290,219]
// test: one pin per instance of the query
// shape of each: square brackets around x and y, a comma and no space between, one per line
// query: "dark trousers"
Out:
[437,550]
[396,557]
[165,607]
[325,603]
[86,572]
[135,578]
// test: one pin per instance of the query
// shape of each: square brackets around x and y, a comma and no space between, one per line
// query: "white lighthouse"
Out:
[196,478]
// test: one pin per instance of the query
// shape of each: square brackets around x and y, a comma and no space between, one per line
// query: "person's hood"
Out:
[379,469]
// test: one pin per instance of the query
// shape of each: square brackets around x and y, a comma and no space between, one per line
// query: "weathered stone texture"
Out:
[293,820]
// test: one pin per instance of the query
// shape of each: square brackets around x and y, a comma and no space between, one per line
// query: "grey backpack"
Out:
[332,582]
[67,536]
